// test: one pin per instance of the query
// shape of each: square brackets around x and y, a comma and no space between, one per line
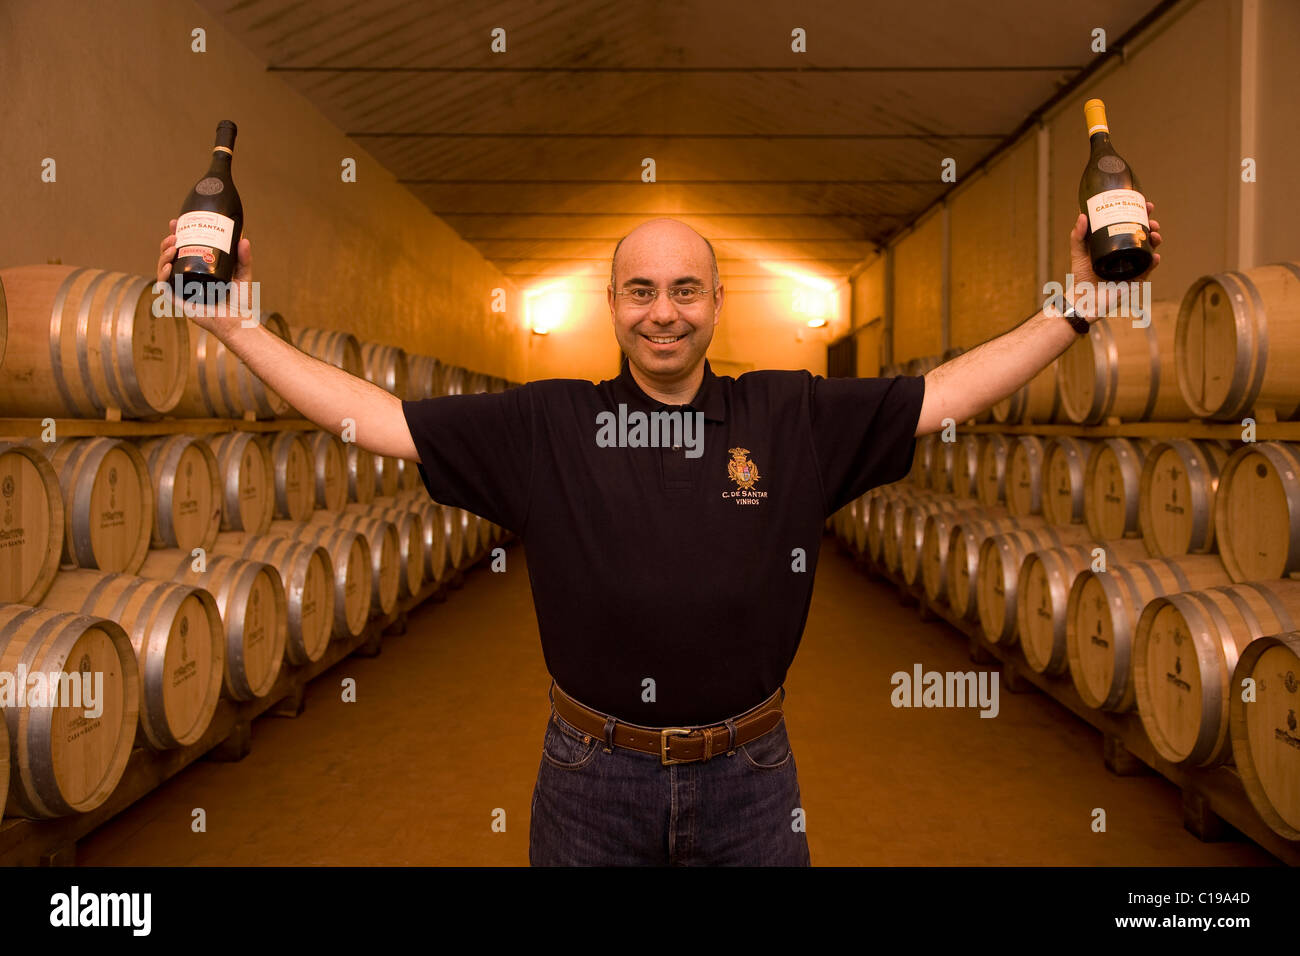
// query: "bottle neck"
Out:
[220,161]
[1100,139]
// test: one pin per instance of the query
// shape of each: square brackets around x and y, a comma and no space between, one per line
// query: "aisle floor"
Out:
[403,776]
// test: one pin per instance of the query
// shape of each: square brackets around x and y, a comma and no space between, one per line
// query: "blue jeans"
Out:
[625,808]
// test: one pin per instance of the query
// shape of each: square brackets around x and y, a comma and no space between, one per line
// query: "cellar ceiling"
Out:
[785,160]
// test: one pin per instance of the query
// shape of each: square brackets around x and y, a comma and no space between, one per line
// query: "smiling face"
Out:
[665,341]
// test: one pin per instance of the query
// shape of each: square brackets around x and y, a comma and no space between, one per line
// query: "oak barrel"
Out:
[1065,466]
[424,376]
[1238,343]
[1036,402]
[910,531]
[84,341]
[350,558]
[187,492]
[387,476]
[1257,511]
[935,539]
[1024,476]
[254,613]
[340,349]
[1112,487]
[61,761]
[964,463]
[107,501]
[964,543]
[295,481]
[435,535]
[328,458]
[1043,595]
[1180,480]
[31,523]
[1118,371]
[410,539]
[1265,741]
[999,573]
[385,366]
[385,555]
[247,482]
[220,385]
[991,478]
[359,465]
[1184,653]
[175,631]
[1102,615]
[307,572]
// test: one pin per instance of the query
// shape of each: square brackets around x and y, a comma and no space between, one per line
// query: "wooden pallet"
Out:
[1211,797]
[228,737]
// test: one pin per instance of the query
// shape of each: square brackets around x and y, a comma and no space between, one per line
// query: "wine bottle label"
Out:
[1117,205]
[208,229]
[1127,229]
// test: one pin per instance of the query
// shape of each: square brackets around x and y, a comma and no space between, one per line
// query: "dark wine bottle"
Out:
[211,220]
[1119,233]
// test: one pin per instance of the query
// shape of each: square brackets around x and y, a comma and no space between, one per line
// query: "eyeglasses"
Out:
[678,295]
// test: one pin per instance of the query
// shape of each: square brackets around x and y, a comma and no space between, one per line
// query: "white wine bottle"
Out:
[1119,233]
[211,220]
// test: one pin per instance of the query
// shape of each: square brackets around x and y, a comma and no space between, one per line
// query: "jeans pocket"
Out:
[566,747]
[770,751]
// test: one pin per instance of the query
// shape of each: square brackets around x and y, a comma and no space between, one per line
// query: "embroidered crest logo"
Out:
[742,471]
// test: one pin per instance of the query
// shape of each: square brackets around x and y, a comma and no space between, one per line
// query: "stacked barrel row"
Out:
[89,342]
[184,568]
[95,343]
[1157,575]
[176,570]
[1226,351]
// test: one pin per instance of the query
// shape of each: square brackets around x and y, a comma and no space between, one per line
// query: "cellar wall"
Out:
[364,256]
[1185,107]
[994,236]
[918,290]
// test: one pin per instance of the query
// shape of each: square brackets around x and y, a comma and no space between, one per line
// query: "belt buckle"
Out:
[663,744]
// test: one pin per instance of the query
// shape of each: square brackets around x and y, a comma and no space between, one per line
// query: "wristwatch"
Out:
[1077,322]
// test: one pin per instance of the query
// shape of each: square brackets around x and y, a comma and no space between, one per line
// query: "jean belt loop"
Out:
[609,734]
[731,736]
[708,742]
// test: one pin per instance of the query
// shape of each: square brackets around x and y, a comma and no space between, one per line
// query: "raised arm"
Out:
[323,394]
[975,380]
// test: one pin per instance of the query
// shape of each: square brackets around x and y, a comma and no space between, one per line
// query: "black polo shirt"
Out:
[649,565]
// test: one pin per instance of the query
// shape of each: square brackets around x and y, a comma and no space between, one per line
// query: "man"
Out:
[671,583]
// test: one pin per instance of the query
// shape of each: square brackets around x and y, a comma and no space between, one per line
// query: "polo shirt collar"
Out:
[709,399]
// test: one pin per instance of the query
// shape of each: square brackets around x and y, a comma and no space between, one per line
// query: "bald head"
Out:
[657,239]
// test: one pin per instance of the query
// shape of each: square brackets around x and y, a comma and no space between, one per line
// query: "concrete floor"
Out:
[377,782]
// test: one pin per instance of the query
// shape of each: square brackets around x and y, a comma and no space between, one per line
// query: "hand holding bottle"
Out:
[216,320]
[1081,267]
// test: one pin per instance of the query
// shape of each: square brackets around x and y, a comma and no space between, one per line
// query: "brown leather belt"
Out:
[671,744]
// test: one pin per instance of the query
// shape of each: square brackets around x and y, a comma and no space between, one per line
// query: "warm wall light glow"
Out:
[812,297]
[545,308]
